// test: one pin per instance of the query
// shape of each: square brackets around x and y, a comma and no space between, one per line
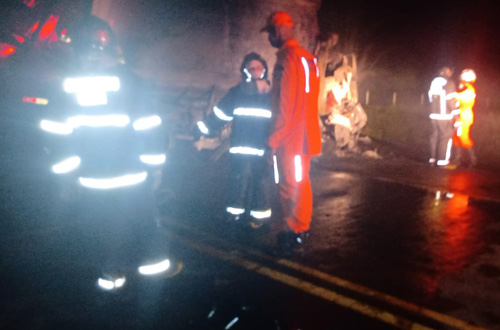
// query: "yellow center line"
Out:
[416,309]
[365,309]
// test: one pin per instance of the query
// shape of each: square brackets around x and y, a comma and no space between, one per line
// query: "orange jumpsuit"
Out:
[466,97]
[295,132]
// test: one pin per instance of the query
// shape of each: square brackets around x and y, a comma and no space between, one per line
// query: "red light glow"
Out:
[29,3]
[6,49]
[49,27]
[20,39]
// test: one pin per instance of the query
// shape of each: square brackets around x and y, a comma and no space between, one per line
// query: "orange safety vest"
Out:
[466,98]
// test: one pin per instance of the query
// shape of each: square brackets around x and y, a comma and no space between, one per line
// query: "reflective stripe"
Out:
[35,100]
[98,121]
[202,127]
[154,269]
[246,151]
[221,115]
[306,69]
[317,68]
[249,76]
[263,74]
[91,91]
[145,123]
[276,172]
[451,96]
[432,160]
[261,214]
[455,112]
[116,182]
[235,211]
[67,165]
[446,161]
[56,127]
[438,116]
[153,159]
[298,169]
[253,112]
[459,131]
[443,162]
[110,285]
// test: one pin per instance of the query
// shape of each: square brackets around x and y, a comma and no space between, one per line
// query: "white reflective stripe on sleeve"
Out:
[276,172]
[298,168]
[116,182]
[145,123]
[154,269]
[438,116]
[246,151]
[235,210]
[221,115]
[317,68]
[306,70]
[249,76]
[253,112]
[202,127]
[56,127]
[261,214]
[153,159]
[67,165]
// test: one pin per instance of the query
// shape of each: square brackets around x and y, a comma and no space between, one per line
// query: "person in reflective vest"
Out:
[247,106]
[466,97]
[442,99]
[295,133]
[106,140]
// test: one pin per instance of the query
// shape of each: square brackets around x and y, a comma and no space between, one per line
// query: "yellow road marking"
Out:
[419,310]
[365,309]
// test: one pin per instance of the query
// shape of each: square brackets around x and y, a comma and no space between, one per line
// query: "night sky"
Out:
[420,36]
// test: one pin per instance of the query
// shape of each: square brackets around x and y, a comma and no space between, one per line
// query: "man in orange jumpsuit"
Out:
[295,133]
[466,97]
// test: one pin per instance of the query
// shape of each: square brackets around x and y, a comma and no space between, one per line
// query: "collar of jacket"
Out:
[290,43]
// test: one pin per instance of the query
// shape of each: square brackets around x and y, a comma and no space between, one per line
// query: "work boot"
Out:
[290,242]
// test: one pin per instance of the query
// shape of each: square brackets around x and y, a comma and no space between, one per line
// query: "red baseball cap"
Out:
[279,18]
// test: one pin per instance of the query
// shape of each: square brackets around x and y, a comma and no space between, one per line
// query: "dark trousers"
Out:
[440,140]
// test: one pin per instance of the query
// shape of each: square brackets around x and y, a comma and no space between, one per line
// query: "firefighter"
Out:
[106,142]
[247,107]
[295,133]
[466,97]
[442,99]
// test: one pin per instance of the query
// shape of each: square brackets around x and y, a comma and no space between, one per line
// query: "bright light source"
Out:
[246,151]
[91,91]
[111,284]
[155,268]
[56,127]
[111,183]
[66,165]
[99,121]
[230,324]
[253,112]
[145,123]
[202,127]
[120,282]
[298,168]
[153,159]
[261,214]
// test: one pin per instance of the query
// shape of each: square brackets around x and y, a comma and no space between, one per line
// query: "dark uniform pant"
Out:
[440,141]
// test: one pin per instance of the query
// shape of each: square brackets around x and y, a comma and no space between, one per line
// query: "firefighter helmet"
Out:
[468,75]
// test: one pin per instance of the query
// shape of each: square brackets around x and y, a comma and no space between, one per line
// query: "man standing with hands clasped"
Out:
[295,133]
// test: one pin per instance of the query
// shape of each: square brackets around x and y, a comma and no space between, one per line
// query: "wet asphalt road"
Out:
[388,249]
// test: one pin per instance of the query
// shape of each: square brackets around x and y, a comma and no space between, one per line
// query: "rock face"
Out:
[201,43]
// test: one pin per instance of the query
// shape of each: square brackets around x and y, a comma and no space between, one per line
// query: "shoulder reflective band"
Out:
[154,269]
[261,214]
[306,69]
[235,210]
[317,68]
[276,172]
[66,165]
[91,91]
[116,182]
[246,151]
[253,112]
[145,123]
[56,127]
[98,121]
[298,168]
[221,115]
[202,127]
[153,159]
[110,285]
[35,100]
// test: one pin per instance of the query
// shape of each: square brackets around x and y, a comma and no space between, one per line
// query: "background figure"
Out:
[442,98]
[295,132]
[248,107]
[466,97]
